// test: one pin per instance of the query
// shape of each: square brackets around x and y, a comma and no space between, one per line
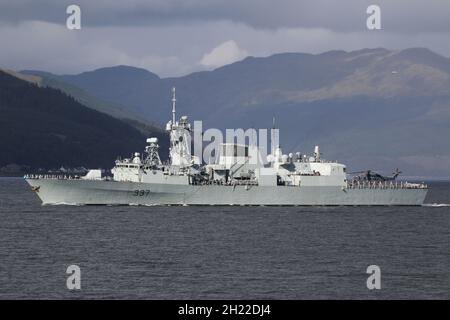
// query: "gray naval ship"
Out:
[232,179]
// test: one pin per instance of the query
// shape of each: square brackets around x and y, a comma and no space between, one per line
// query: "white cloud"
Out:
[225,53]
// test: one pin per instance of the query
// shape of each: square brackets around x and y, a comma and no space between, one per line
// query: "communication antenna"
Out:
[174,100]
[272,137]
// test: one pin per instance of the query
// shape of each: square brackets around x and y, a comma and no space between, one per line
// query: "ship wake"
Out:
[436,205]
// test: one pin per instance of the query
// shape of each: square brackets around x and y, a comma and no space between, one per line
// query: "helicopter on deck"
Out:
[370,175]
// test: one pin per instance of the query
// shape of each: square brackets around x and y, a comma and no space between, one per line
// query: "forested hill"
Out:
[45,128]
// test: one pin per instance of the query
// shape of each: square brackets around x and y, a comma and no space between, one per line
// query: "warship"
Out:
[234,178]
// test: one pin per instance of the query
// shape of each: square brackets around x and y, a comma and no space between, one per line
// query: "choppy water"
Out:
[222,252]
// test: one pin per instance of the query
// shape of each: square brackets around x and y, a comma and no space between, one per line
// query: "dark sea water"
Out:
[222,252]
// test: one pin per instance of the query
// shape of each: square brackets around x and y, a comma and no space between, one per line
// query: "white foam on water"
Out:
[436,205]
[144,204]
[64,204]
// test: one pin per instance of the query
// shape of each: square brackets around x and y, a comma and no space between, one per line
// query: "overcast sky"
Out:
[176,37]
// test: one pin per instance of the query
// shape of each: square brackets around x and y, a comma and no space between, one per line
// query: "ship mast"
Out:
[174,100]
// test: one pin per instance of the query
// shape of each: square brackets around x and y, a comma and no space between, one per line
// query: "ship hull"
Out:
[97,192]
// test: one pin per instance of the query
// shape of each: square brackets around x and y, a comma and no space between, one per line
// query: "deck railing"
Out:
[350,184]
[59,177]
[385,185]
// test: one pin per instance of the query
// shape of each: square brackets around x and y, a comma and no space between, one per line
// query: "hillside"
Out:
[371,108]
[46,79]
[42,127]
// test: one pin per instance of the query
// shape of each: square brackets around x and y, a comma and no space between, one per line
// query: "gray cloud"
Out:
[173,37]
[345,15]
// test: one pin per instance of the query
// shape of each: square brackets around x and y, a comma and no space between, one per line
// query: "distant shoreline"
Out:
[10,177]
